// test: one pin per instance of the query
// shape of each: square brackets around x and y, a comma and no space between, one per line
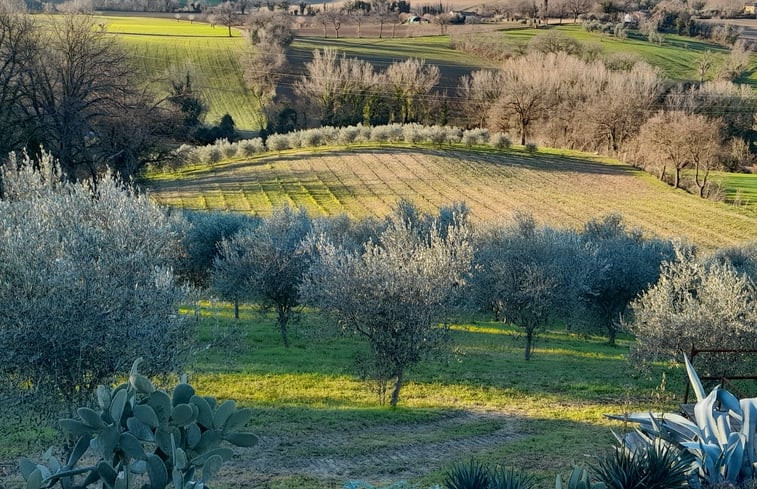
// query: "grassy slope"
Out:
[676,57]
[558,188]
[165,49]
[307,399]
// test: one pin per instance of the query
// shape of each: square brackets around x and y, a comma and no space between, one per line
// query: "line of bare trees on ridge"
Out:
[558,94]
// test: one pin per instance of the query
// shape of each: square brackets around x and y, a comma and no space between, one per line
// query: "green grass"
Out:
[676,57]
[560,188]
[320,425]
[434,49]
[740,188]
[308,399]
[166,49]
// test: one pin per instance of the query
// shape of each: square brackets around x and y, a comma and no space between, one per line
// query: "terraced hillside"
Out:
[563,190]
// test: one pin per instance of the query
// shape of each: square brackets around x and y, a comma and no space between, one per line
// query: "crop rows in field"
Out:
[558,190]
[165,50]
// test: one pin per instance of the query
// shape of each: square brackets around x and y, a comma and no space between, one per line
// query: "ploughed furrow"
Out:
[557,190]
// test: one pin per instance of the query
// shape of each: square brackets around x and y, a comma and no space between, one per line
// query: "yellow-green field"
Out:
[166,49]
[558,188]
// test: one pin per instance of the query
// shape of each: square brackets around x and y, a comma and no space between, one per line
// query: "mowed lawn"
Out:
[166,49]
[562,189]
[320,425]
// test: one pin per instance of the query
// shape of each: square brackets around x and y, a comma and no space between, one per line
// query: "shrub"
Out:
[141,434]
[348,135]
[250,147]
[212,154]
[437,135]
[278,142]
[531,148]
[381,134]
[500,141]
[412,133]
[312,138]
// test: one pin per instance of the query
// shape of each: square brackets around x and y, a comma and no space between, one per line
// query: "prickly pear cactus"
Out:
[145,437]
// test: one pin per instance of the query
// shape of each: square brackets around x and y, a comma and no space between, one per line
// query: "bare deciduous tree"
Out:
[530,85]
[410,83]
[679,140]
[226,15]
[341,89]
[476,94]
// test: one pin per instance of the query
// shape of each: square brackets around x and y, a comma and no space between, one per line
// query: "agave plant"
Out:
[473,475]
[655,466]
[579,479]
[721,439]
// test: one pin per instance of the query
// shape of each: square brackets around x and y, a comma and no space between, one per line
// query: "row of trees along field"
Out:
[100,283]
[559,95]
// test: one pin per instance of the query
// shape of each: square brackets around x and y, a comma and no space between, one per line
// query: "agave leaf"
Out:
[705,420]
[749,427]
[729,402]
[696,384]
[733,457]
[558,482]
[27,467]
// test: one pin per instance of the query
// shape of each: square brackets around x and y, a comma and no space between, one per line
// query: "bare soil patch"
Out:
[339,455]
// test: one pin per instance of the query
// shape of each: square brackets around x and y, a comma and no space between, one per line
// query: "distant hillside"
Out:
[558,189]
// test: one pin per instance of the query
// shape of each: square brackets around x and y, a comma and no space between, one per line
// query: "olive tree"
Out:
[85,283]
[393,292]
[702,304]
[266,264]
[531,275]
[621,264]
[201,233]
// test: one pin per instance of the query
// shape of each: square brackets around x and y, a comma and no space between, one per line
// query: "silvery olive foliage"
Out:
[621,264]
[705,304]
[266,264]
[531,275]
[201,233]
[85,283]
[394,292]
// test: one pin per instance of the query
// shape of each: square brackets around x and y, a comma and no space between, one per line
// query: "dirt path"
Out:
[393,452]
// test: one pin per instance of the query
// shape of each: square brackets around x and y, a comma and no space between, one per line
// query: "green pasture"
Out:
[166,49]
[558,187]
[309,399]
[320,425]
[434,49]
[676,57]
[740,188]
